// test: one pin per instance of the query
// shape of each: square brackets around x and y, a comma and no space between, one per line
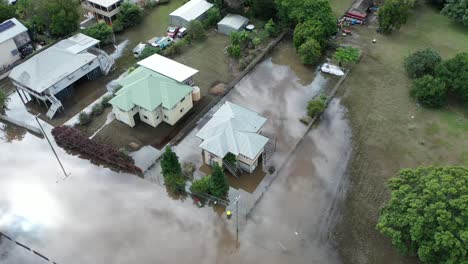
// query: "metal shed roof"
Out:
[233,21]
[167,67]
[233,129]
[104,3]
[11,28]
[192,10]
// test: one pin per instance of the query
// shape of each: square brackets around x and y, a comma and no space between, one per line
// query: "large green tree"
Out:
[427,214]
[393,14]
[310,51]
[130,14]
[170,163]
[429,91]
[309,29]
[63,15]
[6,11]
[457,10]
[422,62]
[454,72]
[218,185]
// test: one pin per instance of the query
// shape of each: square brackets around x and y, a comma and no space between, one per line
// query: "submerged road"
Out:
[100,216]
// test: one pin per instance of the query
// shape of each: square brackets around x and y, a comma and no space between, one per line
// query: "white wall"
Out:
[126,117]
[207,157]
[6,56]
[152,118]
[173,115]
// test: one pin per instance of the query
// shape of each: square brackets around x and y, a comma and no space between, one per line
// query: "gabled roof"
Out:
[149,90]
[192,10]
[233,129]
[55,63]
[167,67]
[10,29]
[233,21]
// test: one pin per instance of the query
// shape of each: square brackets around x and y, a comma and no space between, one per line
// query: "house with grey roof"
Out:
[232,22]
[13,37]
[48,76]
[192,10]
[154,96]
[233,131]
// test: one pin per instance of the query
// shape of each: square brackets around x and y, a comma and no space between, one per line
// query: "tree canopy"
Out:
[454,73]
[429,91]
[427,214]
[393,14]
[218,184]
[100,31]
[264,9]
[130,15]
[63,15]
[422,62]
[6,11]
[457,10]
[309,29]
[195,31]
[170,163]
[310,51]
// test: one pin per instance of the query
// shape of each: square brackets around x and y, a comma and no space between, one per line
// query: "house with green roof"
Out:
[154,97]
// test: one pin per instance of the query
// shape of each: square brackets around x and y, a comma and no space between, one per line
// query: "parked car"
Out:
[138,49]
[162,42]
[172,31]
[182,32]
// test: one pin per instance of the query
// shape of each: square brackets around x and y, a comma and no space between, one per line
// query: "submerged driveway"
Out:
[99,216]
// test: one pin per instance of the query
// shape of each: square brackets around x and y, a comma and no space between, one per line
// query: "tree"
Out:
[264,9]
[393,14]
[309,29]
[170,163]
[175,182]
[212,17]
[315,107]
[457,10]
[427,214]
[130,14]
[310,51]
[347,55]
[148,51]
[63,15]
[429,91]
[422,62]
[100,31]
[271,28]
[195,31]
[6,11]
[454,73]
[3,100]
[201,185]
[84,118]
[117,25]
[219,186]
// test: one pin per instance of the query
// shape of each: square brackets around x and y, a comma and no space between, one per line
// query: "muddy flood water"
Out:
[96,215]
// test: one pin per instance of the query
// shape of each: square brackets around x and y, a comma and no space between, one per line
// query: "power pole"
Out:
[237,216]
[52,147]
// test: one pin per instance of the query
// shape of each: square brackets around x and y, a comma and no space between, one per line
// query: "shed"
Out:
[194,9]
[232,23]
[169,68]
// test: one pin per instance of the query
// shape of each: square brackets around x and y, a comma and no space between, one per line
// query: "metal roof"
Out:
[149,90]
[233,129]
[55,63]
[167,67]
[104,3]
[192,10]
[12,28]
[233,21]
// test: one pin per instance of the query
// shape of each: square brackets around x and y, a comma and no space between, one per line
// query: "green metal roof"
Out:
[149,90]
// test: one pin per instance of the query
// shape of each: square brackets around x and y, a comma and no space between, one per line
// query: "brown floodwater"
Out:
[100,216]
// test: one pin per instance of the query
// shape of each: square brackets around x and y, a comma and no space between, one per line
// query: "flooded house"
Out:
[48,77]
[158,91]
[192,10]
[103,10]
[14,38]
[232,138]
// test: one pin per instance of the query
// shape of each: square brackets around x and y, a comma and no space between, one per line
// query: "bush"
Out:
[175,183]
[429,91]
[195,31]
[310,51]
[100,31]
[218,184]
[130,14]
[148,51]
[347,55]
[315,107]
[234,51]
[427,214]
[201,185]
[170,163]
[97,109]
[105,100]
[175,48]
[271,28]
[421,63]
[212,17]
[454,73]
[256,41]
[117,25]
[3,100]
[84,118]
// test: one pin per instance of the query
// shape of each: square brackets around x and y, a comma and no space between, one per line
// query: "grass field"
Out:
[390,131]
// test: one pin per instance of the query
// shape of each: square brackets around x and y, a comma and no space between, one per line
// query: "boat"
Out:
[332,69]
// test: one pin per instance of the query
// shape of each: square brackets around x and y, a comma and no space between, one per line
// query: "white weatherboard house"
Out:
[193,10]
[236,130]
[157,91]
[13,36]
[106,10]
[232,23]
[49,75]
